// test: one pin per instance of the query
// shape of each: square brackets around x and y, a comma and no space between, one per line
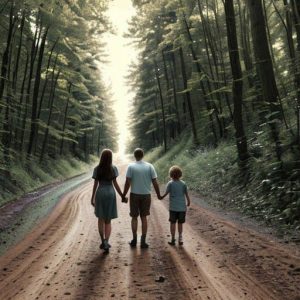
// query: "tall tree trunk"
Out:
[168,95]
[210,49]
[246,54]
[175,89]
[162,105]
[275,66]
[5,56]
[17,139]
[6,136]
[158,131]
[188,97]
[265,67]
[296,16]
[46,78]
[178,124]
[33,129]
[52,97]
[44,88]
[16,70]
[65,120]
[221,57]
[98,140]
[210,103]
[237,88]
[33,54]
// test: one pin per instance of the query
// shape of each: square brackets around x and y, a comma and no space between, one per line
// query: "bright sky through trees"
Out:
[120,55]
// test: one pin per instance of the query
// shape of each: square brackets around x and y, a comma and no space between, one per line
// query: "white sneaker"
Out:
[180,240]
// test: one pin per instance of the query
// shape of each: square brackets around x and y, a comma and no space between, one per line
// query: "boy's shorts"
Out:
[139,205]
[177,216]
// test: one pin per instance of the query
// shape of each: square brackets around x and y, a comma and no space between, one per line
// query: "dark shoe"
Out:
[106,245]
[102,245]
[132,243]
[172,243]
[144,245]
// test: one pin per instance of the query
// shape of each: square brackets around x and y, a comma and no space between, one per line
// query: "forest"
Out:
[210,89]
[227,74]
[53,103]
[216,85]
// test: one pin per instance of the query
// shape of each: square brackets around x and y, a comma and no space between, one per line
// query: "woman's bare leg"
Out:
[107,230]
[101,228]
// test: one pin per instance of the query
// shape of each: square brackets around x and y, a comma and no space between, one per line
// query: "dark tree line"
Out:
[52,99]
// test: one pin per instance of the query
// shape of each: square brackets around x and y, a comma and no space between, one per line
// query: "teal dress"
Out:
[105,200]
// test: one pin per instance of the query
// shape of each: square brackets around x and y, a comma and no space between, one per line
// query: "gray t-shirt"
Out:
[177,190]
[141,174]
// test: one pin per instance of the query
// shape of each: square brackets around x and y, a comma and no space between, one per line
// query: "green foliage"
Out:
[53,103]
[185,66]
[28,177]
[272,190]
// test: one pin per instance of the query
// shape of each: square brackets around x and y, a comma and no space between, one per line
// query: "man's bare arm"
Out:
[156,187]
[126,186]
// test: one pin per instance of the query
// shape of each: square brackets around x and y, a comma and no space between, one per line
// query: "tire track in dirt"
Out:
[61,259]
[190,272]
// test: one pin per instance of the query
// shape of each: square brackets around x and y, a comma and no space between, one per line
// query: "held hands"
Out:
[160,197]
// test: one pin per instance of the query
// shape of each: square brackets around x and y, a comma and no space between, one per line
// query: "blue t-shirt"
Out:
[141,174]
[177,190]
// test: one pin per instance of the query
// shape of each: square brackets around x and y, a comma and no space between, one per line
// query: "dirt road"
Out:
[220,259]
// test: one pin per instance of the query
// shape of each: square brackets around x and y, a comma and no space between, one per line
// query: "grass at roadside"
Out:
[215,174]
[26,177]
[203,170]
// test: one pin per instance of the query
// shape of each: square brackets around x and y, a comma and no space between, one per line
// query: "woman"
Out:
[104,196]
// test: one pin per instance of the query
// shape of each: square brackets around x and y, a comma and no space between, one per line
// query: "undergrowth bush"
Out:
[271,192]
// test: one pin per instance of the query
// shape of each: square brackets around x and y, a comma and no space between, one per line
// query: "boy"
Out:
[178,194]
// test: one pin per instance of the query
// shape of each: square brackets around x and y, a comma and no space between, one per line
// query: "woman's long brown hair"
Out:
[105,169]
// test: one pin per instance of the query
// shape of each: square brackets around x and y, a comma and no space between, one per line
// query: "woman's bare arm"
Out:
[96,182]
[117,187]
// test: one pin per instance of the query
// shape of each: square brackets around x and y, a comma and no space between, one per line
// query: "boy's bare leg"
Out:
[180,229]
[173,230]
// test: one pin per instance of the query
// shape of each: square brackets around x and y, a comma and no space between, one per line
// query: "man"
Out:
[139,177]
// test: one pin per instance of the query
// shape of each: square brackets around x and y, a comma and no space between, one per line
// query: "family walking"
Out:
[139,177]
